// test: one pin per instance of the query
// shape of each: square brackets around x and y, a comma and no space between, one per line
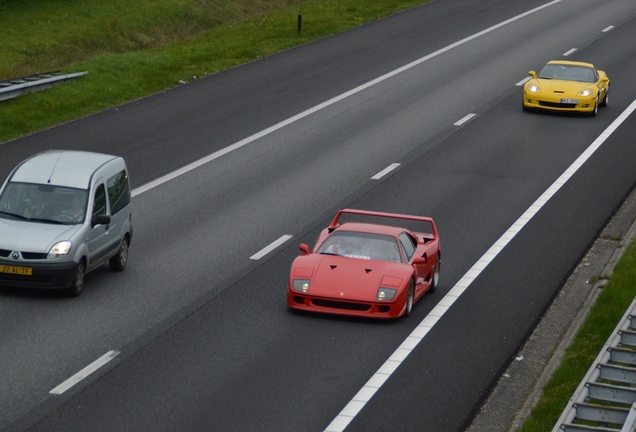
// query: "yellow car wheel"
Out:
[606,98]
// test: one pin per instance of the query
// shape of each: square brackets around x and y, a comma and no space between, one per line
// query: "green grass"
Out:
[611,305]
[135,48]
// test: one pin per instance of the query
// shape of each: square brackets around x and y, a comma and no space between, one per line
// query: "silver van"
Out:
[63,214]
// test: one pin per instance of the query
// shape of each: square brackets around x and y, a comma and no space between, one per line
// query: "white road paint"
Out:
[365,394]
[606,29]
[523,81]
[161,180]
[60,389]
[464,119]
[385,171]
[260,254]
[570,52]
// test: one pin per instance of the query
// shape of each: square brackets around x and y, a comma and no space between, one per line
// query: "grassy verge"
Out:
[616,297]
[132,49]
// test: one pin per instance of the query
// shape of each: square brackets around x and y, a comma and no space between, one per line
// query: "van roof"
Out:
[61,168]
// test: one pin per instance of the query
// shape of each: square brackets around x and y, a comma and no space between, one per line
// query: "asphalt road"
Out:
[204,338]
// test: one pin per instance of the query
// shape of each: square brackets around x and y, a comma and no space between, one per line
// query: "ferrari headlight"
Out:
[301,285]
[60,249]
[586,92]
[533,88]
[386,293]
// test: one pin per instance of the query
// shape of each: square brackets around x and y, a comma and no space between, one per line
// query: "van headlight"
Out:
[60,249]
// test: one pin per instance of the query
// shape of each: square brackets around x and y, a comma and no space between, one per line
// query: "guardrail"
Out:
[606,398]
[14,87]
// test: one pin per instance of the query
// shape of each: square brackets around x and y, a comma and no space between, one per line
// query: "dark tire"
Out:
[118,262]
[409,299]
[595,110]
[605,98]
[435,274]
[78,280]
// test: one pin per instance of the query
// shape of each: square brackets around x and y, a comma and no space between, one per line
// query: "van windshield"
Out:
[43,203]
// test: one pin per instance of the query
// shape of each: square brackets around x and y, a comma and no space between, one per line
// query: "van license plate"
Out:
[27,271]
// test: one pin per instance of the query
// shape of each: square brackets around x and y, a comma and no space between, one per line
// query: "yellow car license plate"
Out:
[27,271]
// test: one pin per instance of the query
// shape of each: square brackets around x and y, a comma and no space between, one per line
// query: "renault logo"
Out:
[15,255]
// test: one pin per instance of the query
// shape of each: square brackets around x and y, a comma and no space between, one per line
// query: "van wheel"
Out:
[78,281]
[118,262]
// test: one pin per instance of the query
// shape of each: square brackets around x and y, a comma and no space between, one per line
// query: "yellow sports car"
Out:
[567,86]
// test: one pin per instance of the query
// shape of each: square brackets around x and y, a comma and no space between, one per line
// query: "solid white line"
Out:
[161,180]
[385,171]
[84,373]
[606,29]
[570,52]
[464,120]
[358,402]
[271,247]
[523,81]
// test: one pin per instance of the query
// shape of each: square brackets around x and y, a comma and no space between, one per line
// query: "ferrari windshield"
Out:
[362,246]
[568,73]
[43,203]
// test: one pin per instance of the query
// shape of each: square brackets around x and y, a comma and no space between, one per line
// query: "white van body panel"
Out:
[19,235]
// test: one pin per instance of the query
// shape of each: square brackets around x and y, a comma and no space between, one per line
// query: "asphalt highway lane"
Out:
[205,349]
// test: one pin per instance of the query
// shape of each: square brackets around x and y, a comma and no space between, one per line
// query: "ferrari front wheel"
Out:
[435,280]
[409,299]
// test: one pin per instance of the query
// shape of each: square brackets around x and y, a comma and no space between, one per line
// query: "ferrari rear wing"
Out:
[334,223]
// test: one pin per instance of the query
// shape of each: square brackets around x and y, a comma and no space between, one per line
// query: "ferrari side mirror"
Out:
[304,249]
[420,260]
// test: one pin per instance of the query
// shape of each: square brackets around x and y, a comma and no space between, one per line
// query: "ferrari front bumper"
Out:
[346,307]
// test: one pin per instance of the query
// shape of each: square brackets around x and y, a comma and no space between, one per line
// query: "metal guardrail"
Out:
[606,398]
[14,87]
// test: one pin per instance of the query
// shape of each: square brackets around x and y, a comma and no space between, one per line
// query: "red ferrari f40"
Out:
[366,269]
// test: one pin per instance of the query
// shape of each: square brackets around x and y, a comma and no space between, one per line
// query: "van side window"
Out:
[99,206]
[118,191]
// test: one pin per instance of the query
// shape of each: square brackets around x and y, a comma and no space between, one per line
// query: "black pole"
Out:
[300,23]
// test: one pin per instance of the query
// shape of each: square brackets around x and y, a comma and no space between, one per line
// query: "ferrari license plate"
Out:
[569,101]
[26,271]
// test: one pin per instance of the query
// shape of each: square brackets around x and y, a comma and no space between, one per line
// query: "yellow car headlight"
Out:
[533,88]
[586,92]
